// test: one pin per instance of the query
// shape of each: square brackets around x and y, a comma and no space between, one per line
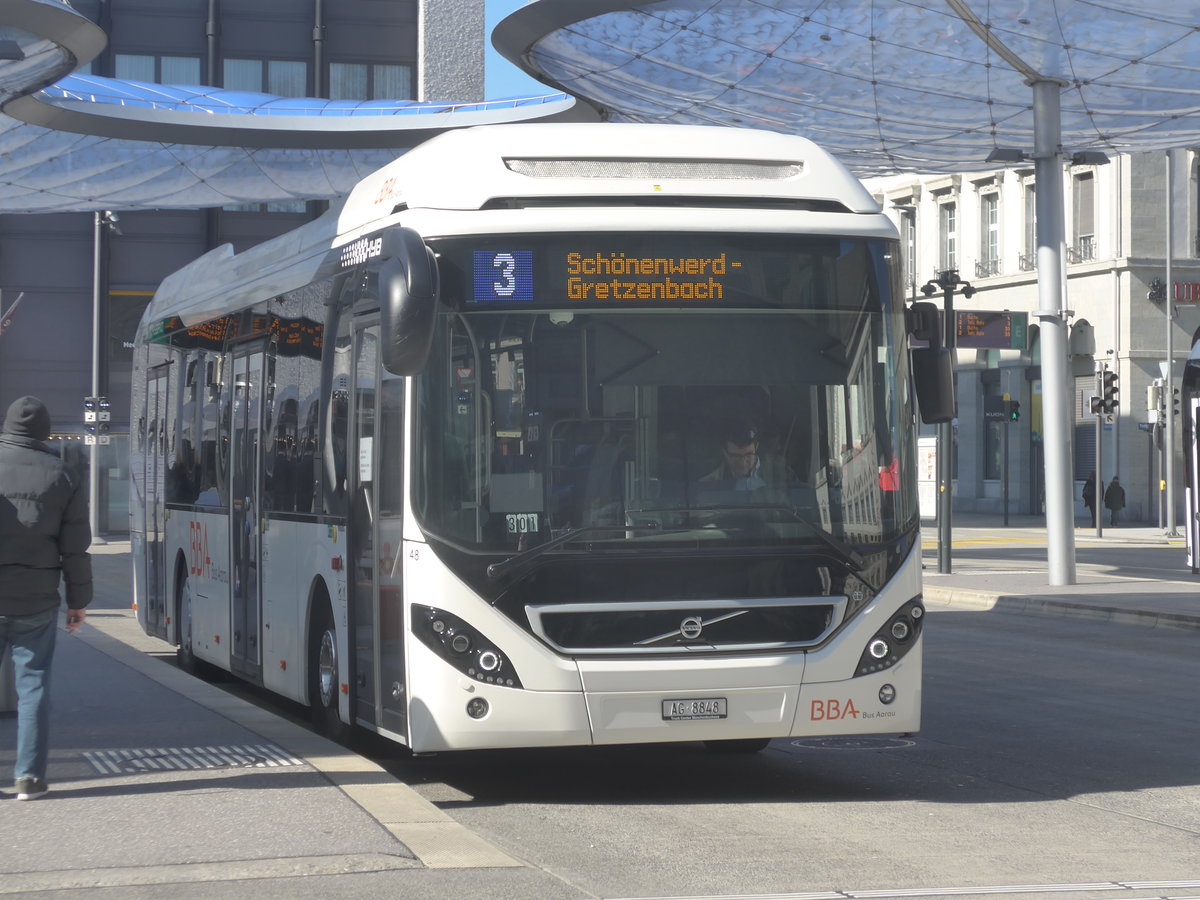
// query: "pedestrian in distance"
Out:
[44,539]
[1114,499]
[1089,495]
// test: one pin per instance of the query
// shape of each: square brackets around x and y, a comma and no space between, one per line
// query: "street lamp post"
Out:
[947,281]
[103,222]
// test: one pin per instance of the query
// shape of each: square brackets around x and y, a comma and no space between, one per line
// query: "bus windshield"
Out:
[768,406]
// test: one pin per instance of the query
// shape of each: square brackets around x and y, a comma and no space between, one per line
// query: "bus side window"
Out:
[309,461]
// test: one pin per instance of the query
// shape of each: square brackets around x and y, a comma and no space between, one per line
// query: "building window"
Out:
[281,77]
[1029,254]
[989,236]
[908,246]
[948,236]
[1083,191]
[362,81]
[157,69]
[1196,208]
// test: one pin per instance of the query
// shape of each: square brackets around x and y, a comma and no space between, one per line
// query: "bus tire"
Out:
[741,745]
[324,675]
[185,657]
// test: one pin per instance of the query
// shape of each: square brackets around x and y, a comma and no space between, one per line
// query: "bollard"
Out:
[8,683]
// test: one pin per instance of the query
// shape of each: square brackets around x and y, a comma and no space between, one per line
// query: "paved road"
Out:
[1054,752]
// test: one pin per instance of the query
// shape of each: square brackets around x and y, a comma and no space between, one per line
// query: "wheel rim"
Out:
[185,618]
[327,668]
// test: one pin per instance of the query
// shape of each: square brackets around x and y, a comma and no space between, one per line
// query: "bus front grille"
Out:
[686,626]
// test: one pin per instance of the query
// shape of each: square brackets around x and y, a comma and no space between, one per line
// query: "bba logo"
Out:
[831,710]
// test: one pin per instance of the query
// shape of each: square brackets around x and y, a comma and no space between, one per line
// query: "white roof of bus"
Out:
[465,169]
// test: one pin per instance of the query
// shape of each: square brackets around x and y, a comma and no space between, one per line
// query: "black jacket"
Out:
[44,530]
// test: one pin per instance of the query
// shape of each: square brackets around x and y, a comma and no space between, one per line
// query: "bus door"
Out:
[376,609]
[155,466]
[245,509]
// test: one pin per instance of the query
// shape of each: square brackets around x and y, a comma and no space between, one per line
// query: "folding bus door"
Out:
[377,613]
[245,510]
[153,612]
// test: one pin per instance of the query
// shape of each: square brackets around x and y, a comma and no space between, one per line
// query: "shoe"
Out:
[31,788]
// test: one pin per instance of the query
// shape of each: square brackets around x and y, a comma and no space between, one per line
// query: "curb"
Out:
[433,838]
[1042,605]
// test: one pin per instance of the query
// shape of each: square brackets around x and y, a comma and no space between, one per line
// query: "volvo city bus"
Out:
[452,462]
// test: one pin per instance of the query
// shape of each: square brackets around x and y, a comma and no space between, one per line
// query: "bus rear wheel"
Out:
[741,745]
[324,678]
[185,657]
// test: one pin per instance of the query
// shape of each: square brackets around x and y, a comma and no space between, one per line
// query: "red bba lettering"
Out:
[831,710]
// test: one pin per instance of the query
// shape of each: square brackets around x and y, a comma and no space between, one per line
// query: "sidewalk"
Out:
[164,785]
[1168,598]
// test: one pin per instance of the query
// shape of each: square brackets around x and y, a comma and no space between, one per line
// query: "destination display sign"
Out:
[603,276]
[984,330]
[658,270]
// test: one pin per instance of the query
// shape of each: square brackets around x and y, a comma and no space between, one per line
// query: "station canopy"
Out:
[886,85]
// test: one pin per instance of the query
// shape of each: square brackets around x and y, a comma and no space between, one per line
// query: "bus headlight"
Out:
[889,645]
[463,646]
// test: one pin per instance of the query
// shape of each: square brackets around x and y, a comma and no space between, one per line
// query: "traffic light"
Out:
[1175,401]
[1014,410]
[1111,392]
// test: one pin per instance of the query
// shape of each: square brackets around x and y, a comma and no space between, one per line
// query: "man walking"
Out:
[44,538]
[1114,499]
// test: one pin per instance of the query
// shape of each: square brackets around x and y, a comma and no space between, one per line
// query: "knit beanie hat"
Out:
[28,417]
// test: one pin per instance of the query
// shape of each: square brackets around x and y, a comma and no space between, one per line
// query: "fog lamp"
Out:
[477,707]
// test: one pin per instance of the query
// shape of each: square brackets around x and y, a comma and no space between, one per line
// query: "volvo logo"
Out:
[691,627]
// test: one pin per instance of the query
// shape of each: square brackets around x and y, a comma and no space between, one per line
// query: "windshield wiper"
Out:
[845,554]
[497,570]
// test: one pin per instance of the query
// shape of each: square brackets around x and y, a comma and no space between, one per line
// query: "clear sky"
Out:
[500,77]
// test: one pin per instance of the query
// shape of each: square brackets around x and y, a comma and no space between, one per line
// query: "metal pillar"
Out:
[1057,415]
[1098,476]
[947,280]
[98,347]
[1169,395]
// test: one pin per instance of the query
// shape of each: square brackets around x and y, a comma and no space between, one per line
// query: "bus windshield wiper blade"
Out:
[496,570]
[843,552]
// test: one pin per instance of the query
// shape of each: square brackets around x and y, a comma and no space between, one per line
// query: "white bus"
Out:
[453,462]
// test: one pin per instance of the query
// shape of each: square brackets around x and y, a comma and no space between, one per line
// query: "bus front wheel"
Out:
[324,677]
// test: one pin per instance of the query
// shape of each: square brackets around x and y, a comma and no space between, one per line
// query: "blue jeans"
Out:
[31,639]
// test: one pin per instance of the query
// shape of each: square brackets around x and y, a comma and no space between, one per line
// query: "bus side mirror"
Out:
[933,377]
[408,295]
[933,369]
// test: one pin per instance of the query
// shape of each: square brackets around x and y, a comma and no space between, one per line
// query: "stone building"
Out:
[351,49]
[983,225]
